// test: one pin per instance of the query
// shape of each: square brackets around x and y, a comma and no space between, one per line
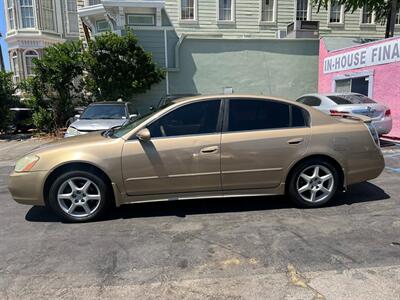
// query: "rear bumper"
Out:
[383,126]
[364,166]
[27,187]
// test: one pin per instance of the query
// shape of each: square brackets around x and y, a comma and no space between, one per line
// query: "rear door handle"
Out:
[295,141]
[211,149]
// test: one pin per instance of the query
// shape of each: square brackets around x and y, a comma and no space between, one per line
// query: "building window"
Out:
[366,16]
[29,56]
[72,16]
[267,11]
[48,15]
[302,10]
[15,66]
[10,12]
[225,11]
[398,17]
[102,26]
[27,15]
[94,2]
[188,10]
[140,20]
[335,15]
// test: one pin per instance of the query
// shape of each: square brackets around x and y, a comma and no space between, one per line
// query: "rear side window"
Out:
[310,101]
[195,118]
[299,117]
[351,99]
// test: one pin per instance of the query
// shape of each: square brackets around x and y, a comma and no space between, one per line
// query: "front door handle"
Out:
[295,141]
[212,149]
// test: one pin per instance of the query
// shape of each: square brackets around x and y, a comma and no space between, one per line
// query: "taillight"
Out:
[335,112]
[388,113]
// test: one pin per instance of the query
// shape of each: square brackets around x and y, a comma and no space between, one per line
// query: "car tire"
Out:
[311,188]
[79,196]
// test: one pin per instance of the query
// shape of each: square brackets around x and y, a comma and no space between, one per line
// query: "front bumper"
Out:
[27,187]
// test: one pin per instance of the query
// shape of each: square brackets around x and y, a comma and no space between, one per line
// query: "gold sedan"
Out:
[202,147]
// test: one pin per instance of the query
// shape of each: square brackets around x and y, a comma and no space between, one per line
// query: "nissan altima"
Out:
[202,147]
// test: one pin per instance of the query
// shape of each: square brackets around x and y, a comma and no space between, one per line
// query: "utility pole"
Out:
[2,67]
[393,14]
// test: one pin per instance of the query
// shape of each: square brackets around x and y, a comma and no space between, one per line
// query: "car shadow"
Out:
[359,193]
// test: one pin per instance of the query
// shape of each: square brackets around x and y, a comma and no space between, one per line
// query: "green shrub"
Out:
[43,120]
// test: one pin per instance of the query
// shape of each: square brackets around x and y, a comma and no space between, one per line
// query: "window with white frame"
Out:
[225,11]
[367,17]
[102,26]
[302,10]
[48,15]
[15,66]
[140,20]
[27,14]
[398,17]
[72,16]
[29,56]
[94,2]
[268,10]
[10,13]
[335,14]
[188,9]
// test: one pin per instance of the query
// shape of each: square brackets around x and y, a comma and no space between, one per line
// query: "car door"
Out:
[182,156]
[260,140]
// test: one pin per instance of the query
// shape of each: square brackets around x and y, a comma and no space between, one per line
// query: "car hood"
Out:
[97,124]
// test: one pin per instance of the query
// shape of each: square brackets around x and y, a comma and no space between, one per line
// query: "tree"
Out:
[118,67]
[385,10]
[7,99]
[58,74]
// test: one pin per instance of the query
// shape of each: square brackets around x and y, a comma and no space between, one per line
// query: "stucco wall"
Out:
[386,82]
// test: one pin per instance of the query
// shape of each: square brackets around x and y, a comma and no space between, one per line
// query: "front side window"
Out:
[195,118]
[188,9]
[302,10]
[10,13]
[267,10]
[335,15]
[27,15]
[257,114]
[367,17]
[72,16]
[48,15]
[29,57]
[102,26]
[225,10]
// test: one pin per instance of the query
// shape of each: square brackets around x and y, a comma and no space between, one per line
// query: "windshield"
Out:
[351,99]
[104,111]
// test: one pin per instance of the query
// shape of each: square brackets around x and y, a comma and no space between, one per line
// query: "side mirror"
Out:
[144,135]
[133,116]
[77,116]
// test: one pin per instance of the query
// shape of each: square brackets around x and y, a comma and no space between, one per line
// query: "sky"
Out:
[3,32]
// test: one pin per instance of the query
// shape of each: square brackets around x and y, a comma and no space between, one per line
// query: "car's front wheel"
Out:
[313,183]
[78,196]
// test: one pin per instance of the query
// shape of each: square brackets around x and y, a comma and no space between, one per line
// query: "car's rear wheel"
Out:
[313,183]
[78,196]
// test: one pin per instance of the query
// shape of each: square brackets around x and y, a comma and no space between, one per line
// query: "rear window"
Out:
[351,99]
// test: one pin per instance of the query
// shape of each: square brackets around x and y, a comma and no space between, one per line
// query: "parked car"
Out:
[21,119]
[102,116]
[169,98]
[200,147]
[78,111]
[351,103]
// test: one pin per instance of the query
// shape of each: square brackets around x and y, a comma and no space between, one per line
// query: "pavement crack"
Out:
[298,279]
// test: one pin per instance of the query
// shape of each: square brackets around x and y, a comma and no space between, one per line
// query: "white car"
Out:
[351,103]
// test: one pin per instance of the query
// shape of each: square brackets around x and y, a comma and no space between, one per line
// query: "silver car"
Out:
[102,116]
[351,103]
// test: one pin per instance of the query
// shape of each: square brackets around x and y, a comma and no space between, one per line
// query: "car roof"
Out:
[230,96]
[330,94]
[108,102]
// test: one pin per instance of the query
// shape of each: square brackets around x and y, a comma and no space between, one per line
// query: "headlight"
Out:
[26,163]
[373,132]
[72,131]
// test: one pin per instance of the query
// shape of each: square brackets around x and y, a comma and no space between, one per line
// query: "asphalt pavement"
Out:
[239,248]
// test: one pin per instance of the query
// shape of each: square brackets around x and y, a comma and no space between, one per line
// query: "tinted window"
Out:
[310,101]
[351,99]
[104,111]
[195,118]
[132,109]
[300,117]
[257,114]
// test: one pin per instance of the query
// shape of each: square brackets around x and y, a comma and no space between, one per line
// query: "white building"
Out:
[35,24]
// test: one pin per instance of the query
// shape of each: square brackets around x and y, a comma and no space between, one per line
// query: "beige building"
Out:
[35,24]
